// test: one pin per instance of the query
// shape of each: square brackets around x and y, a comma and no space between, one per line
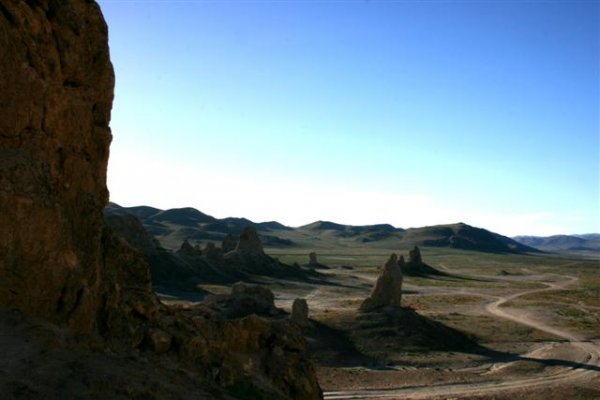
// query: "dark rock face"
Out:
[130,228]
[248,349]
[128,305]
[56,95]
[388,288]
[57,261]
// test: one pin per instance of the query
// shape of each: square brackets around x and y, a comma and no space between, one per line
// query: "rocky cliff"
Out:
[56,95]
[57,261]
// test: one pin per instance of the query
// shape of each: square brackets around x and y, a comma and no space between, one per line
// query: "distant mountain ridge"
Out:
[589,242]
[174,226]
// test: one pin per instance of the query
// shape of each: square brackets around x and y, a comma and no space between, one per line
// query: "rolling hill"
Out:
[563,243]
[465,237]
[172,227]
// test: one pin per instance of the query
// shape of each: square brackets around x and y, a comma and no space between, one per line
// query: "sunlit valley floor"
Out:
[488,325]
[529,322]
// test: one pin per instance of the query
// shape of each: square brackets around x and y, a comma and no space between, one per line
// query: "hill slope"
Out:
[567,243]
[172,227]
[465,237]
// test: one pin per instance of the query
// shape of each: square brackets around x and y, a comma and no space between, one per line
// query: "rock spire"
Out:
[387,291]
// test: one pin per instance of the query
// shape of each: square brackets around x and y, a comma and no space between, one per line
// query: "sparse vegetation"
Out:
[445,328]
[394,352]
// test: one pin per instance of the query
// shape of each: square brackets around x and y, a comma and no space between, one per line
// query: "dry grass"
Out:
[215,289]
[586,293]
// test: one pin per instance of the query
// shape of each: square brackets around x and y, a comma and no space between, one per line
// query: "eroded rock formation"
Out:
[212,252]
[250,258]
[57,261]
[249,242]
[228,244]
[416,267]
[414,256]
[187,248]
[387,291]
[166,267]
[313,262]
[300,312]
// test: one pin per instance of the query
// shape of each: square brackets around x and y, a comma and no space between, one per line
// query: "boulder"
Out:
[261,298]
[244,300]
[387,291]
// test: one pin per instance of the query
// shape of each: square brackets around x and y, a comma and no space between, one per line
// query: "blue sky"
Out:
[408,112]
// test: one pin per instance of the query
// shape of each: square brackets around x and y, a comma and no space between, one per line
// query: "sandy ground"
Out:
[527,353]
[554,362]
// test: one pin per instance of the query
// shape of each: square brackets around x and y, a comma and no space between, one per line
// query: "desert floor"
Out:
[495,326]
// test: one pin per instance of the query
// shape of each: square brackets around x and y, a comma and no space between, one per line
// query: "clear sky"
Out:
[412,113]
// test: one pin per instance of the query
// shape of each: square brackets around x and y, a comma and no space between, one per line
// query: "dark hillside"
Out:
[465,237]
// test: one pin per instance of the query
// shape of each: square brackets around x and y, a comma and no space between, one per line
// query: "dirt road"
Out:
[586,369]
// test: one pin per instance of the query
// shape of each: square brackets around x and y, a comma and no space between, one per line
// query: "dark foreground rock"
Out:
[244,300]
[59,265]
[56,94]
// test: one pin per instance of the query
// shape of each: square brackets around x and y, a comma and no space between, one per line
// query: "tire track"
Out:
[560,375]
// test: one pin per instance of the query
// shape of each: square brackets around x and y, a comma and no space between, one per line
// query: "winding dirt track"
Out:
[586,371]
